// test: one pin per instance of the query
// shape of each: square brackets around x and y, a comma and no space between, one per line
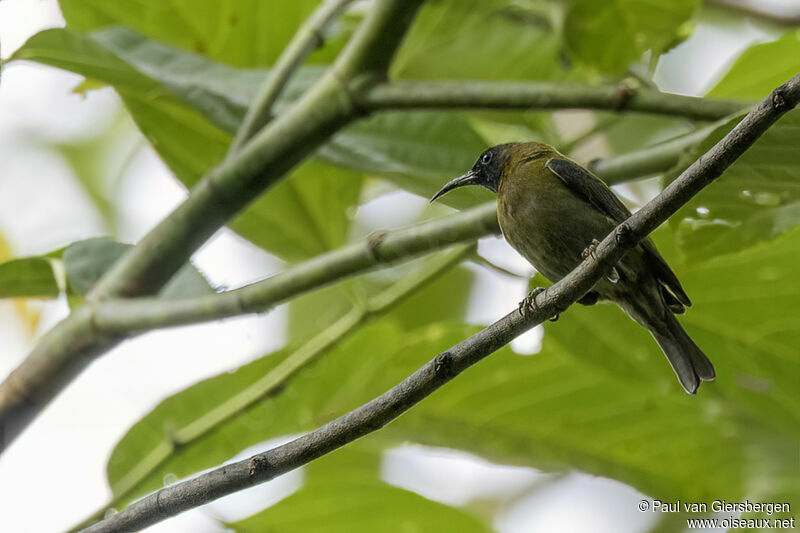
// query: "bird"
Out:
[554,212]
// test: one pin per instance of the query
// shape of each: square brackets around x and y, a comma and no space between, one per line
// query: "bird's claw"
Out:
[529,303]
[591,249]
[613,274]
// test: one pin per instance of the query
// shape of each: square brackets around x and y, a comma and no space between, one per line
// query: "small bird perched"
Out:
[554,212]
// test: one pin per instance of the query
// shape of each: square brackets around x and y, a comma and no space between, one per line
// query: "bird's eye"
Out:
[486,158]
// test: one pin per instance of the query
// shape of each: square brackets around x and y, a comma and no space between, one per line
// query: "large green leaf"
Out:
[247,33]
[346,496]
[305,215]
[304,402]
[480,39]
[444,299]
[610,35]
[756,199]
[760,69]
[416,150]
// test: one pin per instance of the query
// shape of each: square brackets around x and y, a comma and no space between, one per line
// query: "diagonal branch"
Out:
[542,95]
[325,108]
[308,37]
[380,411]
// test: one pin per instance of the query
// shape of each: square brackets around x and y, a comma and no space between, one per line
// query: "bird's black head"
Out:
[485,172]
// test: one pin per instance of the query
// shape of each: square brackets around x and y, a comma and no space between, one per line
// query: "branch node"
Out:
[373,241]
[624,91]
[318,37]
[624,236]
[778,101]
[351,89]
[443,364]
[258,465]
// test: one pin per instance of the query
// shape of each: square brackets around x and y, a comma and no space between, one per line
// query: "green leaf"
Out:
[346,497]
[480,39]
[610,35]
[28,277]
[417,151]
[445,298]
[756,199]
[760,69]
[307,399]
[86,261]
[306,214]
[221,93]
[245,33]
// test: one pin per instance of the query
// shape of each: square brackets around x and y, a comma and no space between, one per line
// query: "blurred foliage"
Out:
[760,68]
[74,269]
[758,199]
[346,495]
[186,72]
[610,35]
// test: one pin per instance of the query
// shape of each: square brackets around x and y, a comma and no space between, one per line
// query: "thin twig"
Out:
[308,38]
[380,411]
[126,316]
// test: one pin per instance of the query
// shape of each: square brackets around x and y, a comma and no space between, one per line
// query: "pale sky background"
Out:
[54,474]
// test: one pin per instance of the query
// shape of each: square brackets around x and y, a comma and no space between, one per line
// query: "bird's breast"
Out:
[549,225]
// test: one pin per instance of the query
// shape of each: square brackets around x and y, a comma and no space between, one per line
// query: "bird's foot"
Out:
[528,303]
[613,274]
[590,250]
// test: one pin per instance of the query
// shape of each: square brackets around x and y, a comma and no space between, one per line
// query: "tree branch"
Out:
[542,95]
[307,38]
[288,139]
[380,411]
[125,316]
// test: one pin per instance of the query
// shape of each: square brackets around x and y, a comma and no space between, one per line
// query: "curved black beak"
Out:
[470,178]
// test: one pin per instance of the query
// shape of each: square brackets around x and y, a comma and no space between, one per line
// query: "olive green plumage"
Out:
[551,210]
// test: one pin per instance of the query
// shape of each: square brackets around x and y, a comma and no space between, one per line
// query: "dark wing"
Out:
[596,192]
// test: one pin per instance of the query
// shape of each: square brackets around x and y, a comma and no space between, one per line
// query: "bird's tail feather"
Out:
[688,361]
